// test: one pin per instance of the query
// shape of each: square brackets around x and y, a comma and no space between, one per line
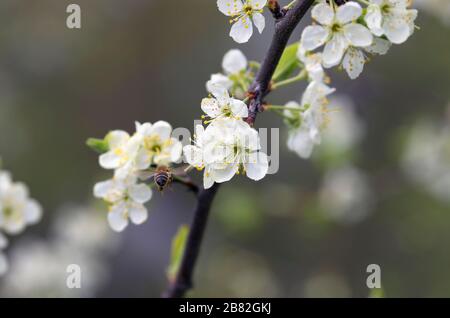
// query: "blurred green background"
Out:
[291,235]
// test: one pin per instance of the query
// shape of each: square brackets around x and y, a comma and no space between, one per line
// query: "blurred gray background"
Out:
[148,60]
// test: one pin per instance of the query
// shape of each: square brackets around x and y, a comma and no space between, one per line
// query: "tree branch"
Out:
[188,183]
[183,280]
[284,26]
[283,30]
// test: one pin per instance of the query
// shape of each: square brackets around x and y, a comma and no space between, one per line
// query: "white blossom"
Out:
[355,58]
[126,199]
[243,13]
[149,145]
[223,105]
[426,157]
[234,67]
[17,209]
[391,18]
[305,124]
[157,146]
[225,148]
[312,64]
[338,30]
[122,152]
[346,195]
[346,130]
[38,267]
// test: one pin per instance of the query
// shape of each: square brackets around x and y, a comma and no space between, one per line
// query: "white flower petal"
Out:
[234,61]
[175,150]
[348,12]
[353,62]
[193,156]
[242,30]
[101,189]
[230,7]
[300,143]
[379,46]
[323,14]
[358,35]
[144,129]
[210,107]
[218,80]
[374,19]
[224,175]
[259,21]
[117,217]
[140,193]
[208,180]
[32,212]
[258,166]
[162,128]
[138,213]
[257,4]
[334,50]
[314,36]
[117,138]
[143,159]
[109,160]
[238,108]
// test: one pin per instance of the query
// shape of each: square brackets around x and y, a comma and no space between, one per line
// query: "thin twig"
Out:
[188,183]
[258,90]
[283,30]
[183,280]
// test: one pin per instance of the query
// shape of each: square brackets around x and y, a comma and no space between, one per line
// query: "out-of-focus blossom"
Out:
[305,121]
[17,209]
[38,268]
[241,274]
[323,285]
[426,158]
[346,195]
[345,130]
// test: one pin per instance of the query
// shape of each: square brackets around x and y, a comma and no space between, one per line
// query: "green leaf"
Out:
[377,293]
[98,145]
[178,246]
[288,63]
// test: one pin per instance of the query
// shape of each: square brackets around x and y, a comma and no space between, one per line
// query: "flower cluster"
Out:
[150,147]
[349,32]
[228,145]
[17,211]
[306,120]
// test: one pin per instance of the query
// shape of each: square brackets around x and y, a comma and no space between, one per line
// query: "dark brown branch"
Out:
[283,30]
[183,280]
[188,183]
[258,90]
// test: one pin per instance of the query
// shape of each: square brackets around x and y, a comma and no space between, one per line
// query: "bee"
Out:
[162,177]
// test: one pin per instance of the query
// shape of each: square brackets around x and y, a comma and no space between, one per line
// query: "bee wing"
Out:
[145,175]
[180,171]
